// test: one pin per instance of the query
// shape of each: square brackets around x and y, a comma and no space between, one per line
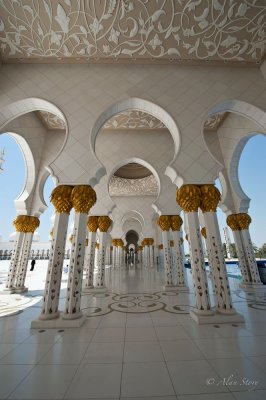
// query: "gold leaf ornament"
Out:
[188,197]
[26,223]
[104,223]
[210,197]
[83,198]
[203,232]
[61,199]
[176,222]
[92,223]
[164,222]
[232,222]
[243,220]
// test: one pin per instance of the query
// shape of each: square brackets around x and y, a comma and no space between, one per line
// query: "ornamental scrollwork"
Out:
[126,29]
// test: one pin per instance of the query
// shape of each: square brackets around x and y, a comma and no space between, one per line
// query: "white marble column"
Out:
[19,286]
[83,198]
[232,222]
[14,262]
[100,277]
[244,221]
[89,262]
[104,223]
[55,267]
[217,264]
[27,224]
[165,224]
[178,259]
[189,198]
[61,200]
[151,254]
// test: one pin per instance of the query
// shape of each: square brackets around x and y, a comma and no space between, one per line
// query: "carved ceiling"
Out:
[134,119]
[132,30]
[131,119]
[215,121]
[51,121]
[133,187]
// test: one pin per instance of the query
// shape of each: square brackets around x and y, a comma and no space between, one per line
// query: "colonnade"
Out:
[172,251]
[191,198]
[25,227]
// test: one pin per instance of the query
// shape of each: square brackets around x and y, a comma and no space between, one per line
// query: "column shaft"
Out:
[217,264]
[90,260]
[167,259]
[74,285]
[178,259]
[197,264]
[250,257]
[243,265]
[55,266]
[23,263]
[11,277]
[100,281]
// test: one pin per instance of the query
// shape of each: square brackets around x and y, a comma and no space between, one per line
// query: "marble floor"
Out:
[138,341]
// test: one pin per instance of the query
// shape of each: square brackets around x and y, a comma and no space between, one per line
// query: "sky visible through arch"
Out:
[252,175]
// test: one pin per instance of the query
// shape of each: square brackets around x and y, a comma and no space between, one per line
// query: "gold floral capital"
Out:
[92,223]
[61,199]
[176,222]
[232,222]
[160,247]
[188,197]
[243,221]
[26,223]
[164,222]
[104,223]
[83,198]
[210,197]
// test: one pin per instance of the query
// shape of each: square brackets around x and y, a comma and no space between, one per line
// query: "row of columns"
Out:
[25,227]
[172,265]
[239,223]
[147,251]
[191,198]
[118,253]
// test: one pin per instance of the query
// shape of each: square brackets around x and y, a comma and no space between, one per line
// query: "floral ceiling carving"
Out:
[213,122]
[133,187]
[93,30]
[51,121]
[133,119]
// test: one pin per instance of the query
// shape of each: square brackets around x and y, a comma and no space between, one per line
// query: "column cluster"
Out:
[25,227]
[172,250]
[64,198]
[191,198]
[239,223]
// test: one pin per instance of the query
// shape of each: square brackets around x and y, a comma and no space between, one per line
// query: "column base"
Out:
[183,287]
[72,316]
[251,286]
[21,290]
[169,288]
[99,290]
[48,317]
[8,291]
[87,289]
[58,323]
[216,318]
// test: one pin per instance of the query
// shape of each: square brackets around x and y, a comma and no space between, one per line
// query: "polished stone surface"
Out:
[137,341]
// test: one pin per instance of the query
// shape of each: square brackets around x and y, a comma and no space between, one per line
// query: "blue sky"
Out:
[252,173]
